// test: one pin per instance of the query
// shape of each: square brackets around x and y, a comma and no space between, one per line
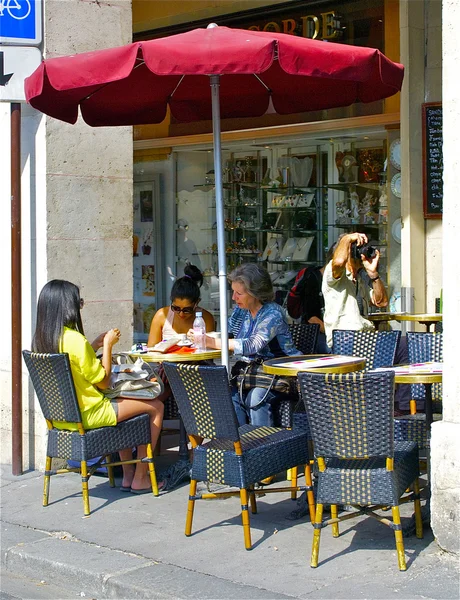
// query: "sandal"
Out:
[161,487]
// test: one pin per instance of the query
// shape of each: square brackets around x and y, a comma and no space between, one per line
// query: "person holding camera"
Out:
[344,289]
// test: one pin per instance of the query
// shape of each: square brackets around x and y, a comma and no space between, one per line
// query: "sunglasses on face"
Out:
[188,310]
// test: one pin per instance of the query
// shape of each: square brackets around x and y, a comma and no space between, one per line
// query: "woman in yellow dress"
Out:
[60,329]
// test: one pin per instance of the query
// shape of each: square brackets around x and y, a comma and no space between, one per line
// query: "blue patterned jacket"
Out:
[253,335]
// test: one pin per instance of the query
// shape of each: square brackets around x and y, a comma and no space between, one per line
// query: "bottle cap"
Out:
[199,313]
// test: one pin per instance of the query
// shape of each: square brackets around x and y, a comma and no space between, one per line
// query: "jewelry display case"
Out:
[284,206]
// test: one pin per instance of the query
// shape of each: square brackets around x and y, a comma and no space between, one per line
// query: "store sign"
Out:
[325,26]
[15,65]
[21,22]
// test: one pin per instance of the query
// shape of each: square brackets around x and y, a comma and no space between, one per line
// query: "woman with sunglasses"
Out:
[59,328]
[178,318]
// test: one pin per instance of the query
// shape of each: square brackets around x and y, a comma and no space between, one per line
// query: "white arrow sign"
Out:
[16,63]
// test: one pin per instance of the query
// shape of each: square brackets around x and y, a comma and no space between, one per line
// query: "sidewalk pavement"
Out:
[134,547]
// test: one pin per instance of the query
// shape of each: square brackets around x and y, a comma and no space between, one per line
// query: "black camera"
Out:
[366,249]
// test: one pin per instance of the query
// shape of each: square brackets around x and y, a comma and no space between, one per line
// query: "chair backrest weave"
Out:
[424,347]
[304,336]
[53,383]
[377,347]
[350,415]
[204,399]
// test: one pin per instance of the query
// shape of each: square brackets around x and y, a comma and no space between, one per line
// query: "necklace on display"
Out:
[300,246]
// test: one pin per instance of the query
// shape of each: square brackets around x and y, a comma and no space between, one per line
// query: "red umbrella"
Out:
[134,84]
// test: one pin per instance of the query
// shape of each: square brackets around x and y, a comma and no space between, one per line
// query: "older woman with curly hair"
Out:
[260,329]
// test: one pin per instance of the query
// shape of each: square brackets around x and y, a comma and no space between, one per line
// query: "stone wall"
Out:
[77,206]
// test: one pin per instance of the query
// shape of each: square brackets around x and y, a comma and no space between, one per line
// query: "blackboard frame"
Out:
[429,211]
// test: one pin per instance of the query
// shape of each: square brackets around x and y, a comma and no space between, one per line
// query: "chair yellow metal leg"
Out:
[152,473]
[84,487]
[190,508]
[310,494]
[413,407]
[245,518]
[293,482]
[418,511]
[399,539]
[108,460]
[289,474]
[316,536]
[46,482]
[334,515]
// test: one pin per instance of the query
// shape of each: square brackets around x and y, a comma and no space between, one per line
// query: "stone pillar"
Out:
[89,178]
[79,193]
[412,47]
[445,437]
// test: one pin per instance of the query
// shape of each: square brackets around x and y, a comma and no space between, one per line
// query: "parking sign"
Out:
[21,22]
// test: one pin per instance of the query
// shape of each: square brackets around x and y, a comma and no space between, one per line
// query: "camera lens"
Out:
[365,249]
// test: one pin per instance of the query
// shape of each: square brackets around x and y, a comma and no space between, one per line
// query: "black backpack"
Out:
[306,298]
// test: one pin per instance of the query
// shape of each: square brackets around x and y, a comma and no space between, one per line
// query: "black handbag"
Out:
[248,374]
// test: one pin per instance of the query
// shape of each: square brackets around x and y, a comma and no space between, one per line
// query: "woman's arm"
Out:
[98,342]
[318,321]
[156,328]
[110,339]
[267,327]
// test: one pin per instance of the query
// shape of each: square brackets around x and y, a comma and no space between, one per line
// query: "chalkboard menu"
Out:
[432,160]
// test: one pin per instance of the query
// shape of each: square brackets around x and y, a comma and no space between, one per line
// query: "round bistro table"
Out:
[427,377]
[157,357]
[382,317]
[426,319]
[291,365]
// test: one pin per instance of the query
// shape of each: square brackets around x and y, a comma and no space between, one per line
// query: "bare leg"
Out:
[128,408]
[128,470]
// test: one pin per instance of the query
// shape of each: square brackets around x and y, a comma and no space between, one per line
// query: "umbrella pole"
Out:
[221,258]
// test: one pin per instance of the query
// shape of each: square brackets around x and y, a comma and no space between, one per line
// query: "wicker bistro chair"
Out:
[304,336]
[234,456]
[422,347]
[52,379]
[351,421]
[377,347]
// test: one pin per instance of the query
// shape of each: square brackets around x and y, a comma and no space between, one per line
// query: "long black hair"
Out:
[189,285]
[58,307]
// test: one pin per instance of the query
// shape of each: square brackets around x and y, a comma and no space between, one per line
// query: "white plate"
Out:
[395,154]
[396,231]
[396,185]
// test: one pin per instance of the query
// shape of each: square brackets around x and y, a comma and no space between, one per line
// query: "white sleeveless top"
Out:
[168,331]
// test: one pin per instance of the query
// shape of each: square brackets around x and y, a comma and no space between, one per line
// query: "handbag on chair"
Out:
[247,374]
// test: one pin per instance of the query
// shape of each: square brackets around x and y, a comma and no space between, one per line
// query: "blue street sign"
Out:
[21,22]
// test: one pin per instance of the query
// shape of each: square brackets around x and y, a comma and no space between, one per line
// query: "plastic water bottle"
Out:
[199,330]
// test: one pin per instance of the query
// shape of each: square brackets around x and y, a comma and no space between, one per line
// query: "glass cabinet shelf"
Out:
[293,198]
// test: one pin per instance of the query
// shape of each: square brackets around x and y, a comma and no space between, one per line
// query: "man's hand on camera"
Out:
[359,238]
[372,265]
